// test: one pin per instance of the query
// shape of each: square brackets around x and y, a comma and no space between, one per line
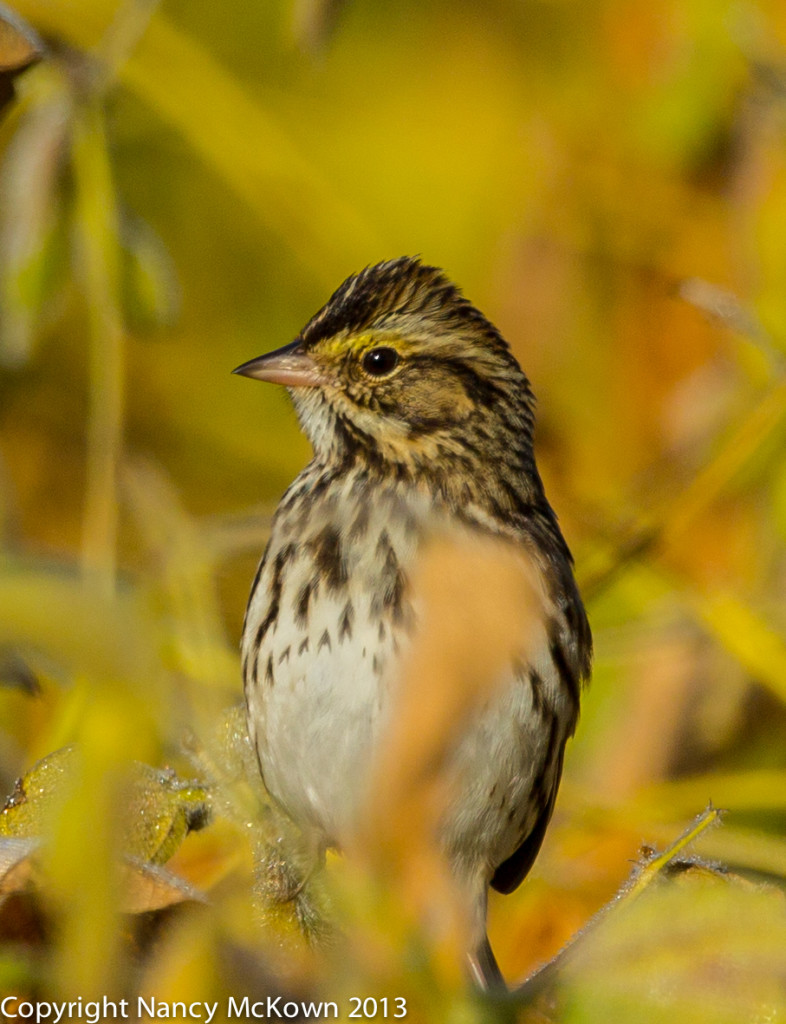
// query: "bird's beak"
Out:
[290,366]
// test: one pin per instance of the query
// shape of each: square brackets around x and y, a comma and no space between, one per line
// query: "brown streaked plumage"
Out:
[418,413]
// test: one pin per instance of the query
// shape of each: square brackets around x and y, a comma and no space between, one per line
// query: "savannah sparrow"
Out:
[415,408]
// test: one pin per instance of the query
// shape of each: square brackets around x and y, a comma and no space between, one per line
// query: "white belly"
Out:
[315,729]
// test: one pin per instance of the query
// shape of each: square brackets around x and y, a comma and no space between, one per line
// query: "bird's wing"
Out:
[511,872]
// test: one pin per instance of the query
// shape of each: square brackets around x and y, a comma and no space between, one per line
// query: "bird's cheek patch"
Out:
[445,401]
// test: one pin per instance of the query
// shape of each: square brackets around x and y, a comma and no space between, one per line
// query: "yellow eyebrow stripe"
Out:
[341,344]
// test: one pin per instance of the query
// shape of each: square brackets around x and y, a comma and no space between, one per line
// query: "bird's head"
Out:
[400,366]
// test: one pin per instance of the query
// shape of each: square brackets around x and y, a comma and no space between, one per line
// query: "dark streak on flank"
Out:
[284,555]
[543,784]
[324,641]
[257,574]
[538,691]
[303,646]
[284,656]
[301,605]
[345,622]
[392,583]
[360,522]
[567,675]
[269,670]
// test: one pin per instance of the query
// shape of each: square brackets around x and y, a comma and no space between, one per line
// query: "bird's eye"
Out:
[379,362]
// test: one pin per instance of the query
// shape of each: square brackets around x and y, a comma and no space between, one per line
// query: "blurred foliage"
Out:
[181,186]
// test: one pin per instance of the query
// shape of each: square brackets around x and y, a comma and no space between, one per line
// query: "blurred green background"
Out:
[183,184]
